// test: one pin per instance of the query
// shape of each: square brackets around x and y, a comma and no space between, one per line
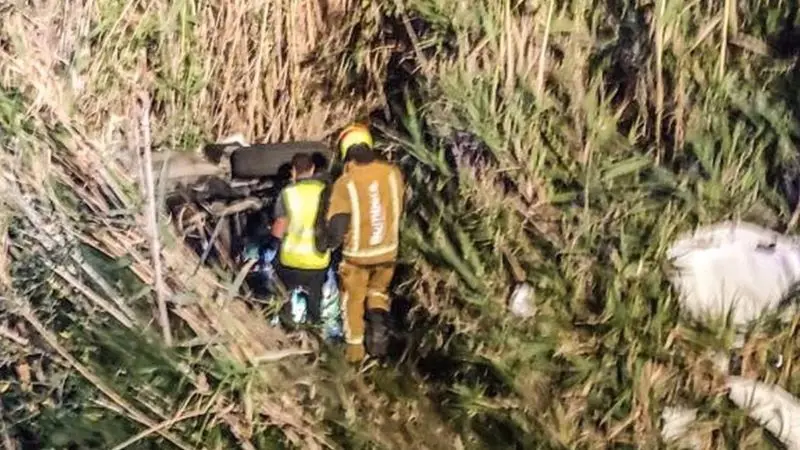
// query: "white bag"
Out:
[772,407]
[736,267]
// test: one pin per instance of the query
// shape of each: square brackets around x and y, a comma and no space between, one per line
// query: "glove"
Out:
[272,243]
[270,249]
[269,255]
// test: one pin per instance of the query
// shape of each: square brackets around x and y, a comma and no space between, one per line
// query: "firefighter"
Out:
[363,216]
[295,231]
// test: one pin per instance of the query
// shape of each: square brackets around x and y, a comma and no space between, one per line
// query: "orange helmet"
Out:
[354,134]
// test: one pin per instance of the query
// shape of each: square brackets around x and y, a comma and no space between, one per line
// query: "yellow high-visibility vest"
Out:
[298,249]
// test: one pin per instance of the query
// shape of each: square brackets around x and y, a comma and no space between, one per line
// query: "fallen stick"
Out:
[10,335]
[158,427]
[152,217]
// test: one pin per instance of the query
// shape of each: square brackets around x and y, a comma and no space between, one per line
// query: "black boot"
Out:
[378,332]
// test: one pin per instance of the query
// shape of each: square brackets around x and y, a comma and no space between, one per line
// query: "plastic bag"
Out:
[771,406]
[746,270]
[331,308]
[521,301]
[734,267]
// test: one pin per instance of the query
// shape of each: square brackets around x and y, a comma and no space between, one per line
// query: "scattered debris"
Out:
[734,267]
[744,270]
[676,421]
[521,301]
[771,406]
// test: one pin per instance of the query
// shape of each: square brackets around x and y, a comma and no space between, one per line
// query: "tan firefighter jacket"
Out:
[372,196]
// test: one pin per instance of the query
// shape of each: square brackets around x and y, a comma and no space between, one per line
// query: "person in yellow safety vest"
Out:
[364,213]
[297,225]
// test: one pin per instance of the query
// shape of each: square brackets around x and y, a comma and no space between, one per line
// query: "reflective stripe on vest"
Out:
[355,250]
[298,249]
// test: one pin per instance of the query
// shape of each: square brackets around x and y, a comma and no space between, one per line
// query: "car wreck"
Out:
[221,201]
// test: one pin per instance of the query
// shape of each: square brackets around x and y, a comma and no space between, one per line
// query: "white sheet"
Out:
[734,266]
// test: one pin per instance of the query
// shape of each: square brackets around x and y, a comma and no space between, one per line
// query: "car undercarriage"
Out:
[221,203]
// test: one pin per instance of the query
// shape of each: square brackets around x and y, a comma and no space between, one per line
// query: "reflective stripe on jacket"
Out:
[298,248]
[372,195]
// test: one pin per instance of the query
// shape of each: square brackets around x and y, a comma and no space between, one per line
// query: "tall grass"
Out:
[572,139]
[587,157]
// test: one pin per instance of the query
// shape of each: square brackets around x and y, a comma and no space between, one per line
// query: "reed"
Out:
[567,141]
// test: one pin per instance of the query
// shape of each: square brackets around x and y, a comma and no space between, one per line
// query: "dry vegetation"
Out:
[576,138]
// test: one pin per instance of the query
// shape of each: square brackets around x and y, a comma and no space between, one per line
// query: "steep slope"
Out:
[574,139]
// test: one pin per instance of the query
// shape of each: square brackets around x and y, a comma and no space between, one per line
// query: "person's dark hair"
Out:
[302,162]
[361,154]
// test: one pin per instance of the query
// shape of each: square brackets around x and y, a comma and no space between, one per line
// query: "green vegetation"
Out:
[578,138]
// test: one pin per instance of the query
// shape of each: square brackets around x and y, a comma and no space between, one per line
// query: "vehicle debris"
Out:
[221,201]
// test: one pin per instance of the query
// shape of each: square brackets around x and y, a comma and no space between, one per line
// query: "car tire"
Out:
[270,160]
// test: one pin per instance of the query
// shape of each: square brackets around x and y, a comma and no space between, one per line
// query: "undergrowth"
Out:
[571,139]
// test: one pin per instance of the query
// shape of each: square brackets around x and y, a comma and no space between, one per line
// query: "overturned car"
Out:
[221,202]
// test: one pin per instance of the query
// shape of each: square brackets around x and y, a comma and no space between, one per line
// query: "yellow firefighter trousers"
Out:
[362,285]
